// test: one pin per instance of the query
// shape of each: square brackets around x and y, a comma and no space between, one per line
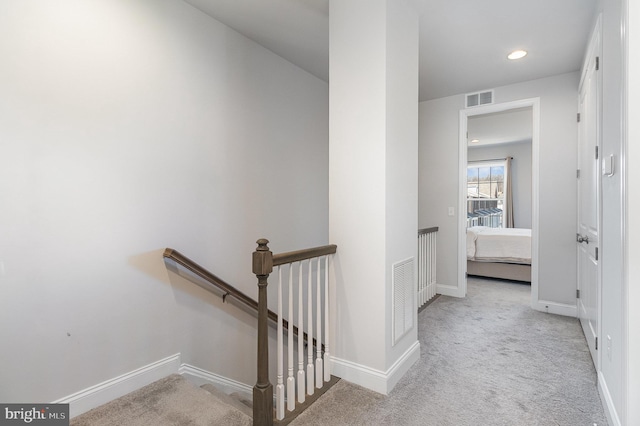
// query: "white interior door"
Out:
[587,236]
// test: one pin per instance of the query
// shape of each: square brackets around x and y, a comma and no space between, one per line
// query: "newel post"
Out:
[263,390]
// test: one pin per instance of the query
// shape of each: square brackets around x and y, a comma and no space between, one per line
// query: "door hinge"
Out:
[578,173]
[596,152]
[577,294]
[578,117]
[597,63]
[596,253]
[596,343]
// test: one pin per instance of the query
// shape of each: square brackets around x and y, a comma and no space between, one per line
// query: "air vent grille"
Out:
[403,303]
[479,98]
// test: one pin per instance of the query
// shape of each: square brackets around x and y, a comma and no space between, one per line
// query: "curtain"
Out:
[508,197]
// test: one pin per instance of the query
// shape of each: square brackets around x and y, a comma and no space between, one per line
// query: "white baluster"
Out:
[318,331]
[327,370]
[434,250]
[430,249]
[420,271]
[426,265]
[291,382]
[428,259]
[301,385]
[280,384]
[310,332]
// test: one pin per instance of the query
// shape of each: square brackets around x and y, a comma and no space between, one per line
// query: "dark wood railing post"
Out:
[263,390]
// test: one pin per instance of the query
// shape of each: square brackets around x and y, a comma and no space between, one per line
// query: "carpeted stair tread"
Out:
[343,404]
[246,400]
[169,401]
[235,399]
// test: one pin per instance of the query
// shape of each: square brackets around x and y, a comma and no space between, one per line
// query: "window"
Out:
[486,187]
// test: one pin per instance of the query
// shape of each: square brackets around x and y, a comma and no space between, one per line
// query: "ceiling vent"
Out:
[479,98]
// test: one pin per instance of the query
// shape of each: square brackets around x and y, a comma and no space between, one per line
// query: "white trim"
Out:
[379,381]
[97,395]
[449,290]
[556,308]
[607,402]
[199,377]
[534,103]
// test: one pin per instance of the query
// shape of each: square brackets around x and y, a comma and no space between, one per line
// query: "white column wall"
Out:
[372,178]
[357,177]
[401,157]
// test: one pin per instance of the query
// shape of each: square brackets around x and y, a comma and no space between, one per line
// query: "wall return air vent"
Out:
[479,98]
[404,308]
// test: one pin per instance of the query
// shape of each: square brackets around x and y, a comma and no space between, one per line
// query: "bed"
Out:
[499,253]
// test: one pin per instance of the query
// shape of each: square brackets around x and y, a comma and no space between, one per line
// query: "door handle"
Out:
[582,239]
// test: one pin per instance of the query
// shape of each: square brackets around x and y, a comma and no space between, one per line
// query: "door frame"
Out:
[534,104]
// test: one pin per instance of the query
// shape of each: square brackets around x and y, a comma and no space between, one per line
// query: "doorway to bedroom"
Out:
[498,192]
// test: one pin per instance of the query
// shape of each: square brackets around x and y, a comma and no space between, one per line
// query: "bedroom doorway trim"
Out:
[534,104]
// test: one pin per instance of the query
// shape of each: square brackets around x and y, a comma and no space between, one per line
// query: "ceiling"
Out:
[463,43]
[512,126]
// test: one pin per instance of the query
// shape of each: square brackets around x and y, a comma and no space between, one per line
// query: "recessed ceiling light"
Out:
[517,54]
[475,140]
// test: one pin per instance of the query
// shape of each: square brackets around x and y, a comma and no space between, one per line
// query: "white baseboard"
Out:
[95,396]
[607,402]
[199,377]
[376,380]
[448,290]
[556,308]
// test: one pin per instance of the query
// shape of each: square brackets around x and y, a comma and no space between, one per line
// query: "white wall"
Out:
[612,367]
[401,160]
[520,174]
[373,179]
[633,181]
[128,126]
[438,180]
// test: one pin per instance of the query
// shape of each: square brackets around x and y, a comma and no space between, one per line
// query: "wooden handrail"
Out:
[427,230]
[263,263]
[230,290]
[298,255]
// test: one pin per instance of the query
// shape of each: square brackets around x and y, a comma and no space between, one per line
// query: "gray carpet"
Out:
[488,359]
[170,401]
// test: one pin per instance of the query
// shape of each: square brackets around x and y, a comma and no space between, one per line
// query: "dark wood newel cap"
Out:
[262,258]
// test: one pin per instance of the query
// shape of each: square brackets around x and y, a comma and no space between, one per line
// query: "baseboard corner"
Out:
[97,395]
[376,380]
[199,376]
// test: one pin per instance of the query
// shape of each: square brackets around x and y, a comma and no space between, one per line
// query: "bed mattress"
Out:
[510,245]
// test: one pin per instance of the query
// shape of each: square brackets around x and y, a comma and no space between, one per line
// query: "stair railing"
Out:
[427,239]
[317,374]
[317,370]
[217,285]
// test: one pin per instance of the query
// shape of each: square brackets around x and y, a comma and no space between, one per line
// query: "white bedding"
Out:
[512,245]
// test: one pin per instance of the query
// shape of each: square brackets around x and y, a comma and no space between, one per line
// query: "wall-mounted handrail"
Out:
[230,290]
[210,278]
